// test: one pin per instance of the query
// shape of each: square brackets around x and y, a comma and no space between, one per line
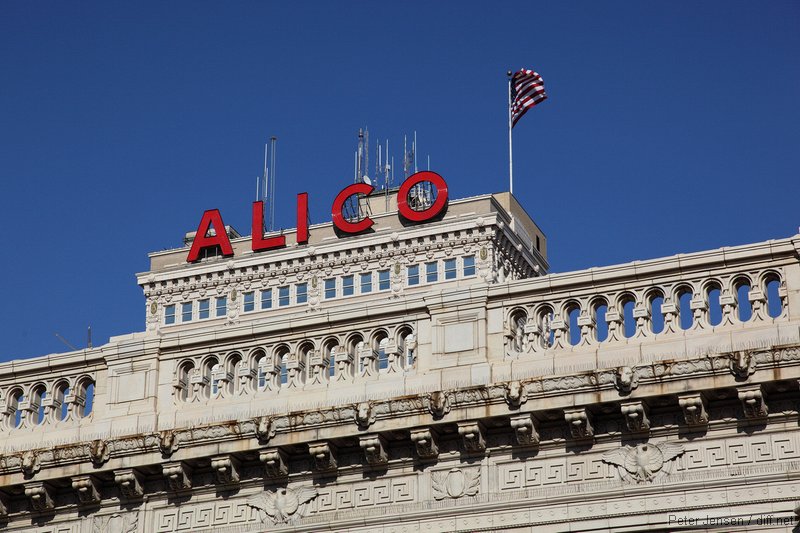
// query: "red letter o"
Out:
[438,205]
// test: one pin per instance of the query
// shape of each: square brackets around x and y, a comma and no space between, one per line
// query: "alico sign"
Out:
[213,219]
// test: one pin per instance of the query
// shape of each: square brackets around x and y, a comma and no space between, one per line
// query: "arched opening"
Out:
[282,355]
[742,286]
[713,292]
[772,290]
[15,397]
[656,300]
[37,397]
[628,303]
[182,385]
[544,319]
[573,313]
[599,309]
[407,343]
[684,296]
[516,326]
[60,392]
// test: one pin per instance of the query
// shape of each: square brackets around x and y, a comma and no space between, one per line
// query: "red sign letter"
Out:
[438,205]
[336,211]
[202,240]
[302,218]
[259,242]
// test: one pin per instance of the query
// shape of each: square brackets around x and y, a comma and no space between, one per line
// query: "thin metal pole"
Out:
[510,150]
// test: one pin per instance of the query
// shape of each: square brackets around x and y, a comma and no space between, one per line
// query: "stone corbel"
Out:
[526,429]
[374,447]
[753,401]
[473,436]
[694,408]
[41,496]
[635,414]
[323,456]
[275,461]
[425,443]
[226,469]
[178,475]
[87,488]
[368,360]
[131,483]
[579,422]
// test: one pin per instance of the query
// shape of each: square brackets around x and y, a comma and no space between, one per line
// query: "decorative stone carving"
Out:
[515,394]
[275,462]
[643,462]
[167,442]
[438,403]
[526,429]
[30,463]
[626,379]
[87,488]
[364,414]
[116,523]
[374,447]
[98,452]
[323,456]
[284,505]
[264,428]
[41,496]
[694,409]
[742,364]
[131,483]
[579,422]
[635,414]
[473,436]
[425,443]
[455,483]
[179,475]
[752,398]
[226,469]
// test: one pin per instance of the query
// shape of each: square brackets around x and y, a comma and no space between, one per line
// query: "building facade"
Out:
[421,377]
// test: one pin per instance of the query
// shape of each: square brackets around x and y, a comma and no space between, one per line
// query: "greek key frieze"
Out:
[365,494]
[190,518]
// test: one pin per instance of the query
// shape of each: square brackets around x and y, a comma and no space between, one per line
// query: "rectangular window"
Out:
[383,280]
[266,299]
[366,282]
[222,306]
[249,302]
[449,269]
[330,288]
[186,312]
[203,307]
[469,265]
[347,286]
[283,296]
[413,275]
[169,314]
[302,293]
[431,272]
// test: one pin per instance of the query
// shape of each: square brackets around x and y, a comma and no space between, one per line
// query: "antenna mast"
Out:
[267,173]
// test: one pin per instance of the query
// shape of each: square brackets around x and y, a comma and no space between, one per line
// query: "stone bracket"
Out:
[178,474]
[41,496]
[425,443]
[526,429]
[131,483]
[374,447]
[636,416]
[579,422]
[473,436]
[275,461]
[323,456]
[226,469]
[753,401]
[694,407]
[88,489]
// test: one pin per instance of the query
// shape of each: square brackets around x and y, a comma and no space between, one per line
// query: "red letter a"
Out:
[202,240]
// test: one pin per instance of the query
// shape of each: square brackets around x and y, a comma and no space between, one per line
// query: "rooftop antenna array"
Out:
[357,208]
[265,190]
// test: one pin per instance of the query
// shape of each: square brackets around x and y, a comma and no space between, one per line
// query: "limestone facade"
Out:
[491,398]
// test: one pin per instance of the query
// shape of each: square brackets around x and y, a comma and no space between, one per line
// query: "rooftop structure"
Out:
[420,377]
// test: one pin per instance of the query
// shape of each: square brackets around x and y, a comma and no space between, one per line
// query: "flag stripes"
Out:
[527,90]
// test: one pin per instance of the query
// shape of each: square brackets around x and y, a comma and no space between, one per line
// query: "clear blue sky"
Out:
[670,127]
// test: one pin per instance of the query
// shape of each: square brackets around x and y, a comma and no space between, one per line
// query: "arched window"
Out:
[37,397]
[600,308]
[573,313]
[383,357]
[743,299]
[15,397]
[262,372]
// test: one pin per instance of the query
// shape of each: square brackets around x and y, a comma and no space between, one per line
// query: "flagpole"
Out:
[510,152]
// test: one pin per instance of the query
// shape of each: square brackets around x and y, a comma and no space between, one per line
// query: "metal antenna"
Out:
[62,339]
[429,161]
[89,337]
[414,151]
[273,142]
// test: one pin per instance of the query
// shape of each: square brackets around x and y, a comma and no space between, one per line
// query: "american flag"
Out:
[527,90]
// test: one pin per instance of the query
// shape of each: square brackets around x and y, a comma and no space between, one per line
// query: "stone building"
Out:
[421,377]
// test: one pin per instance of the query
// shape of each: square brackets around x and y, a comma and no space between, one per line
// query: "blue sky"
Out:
[670,127]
